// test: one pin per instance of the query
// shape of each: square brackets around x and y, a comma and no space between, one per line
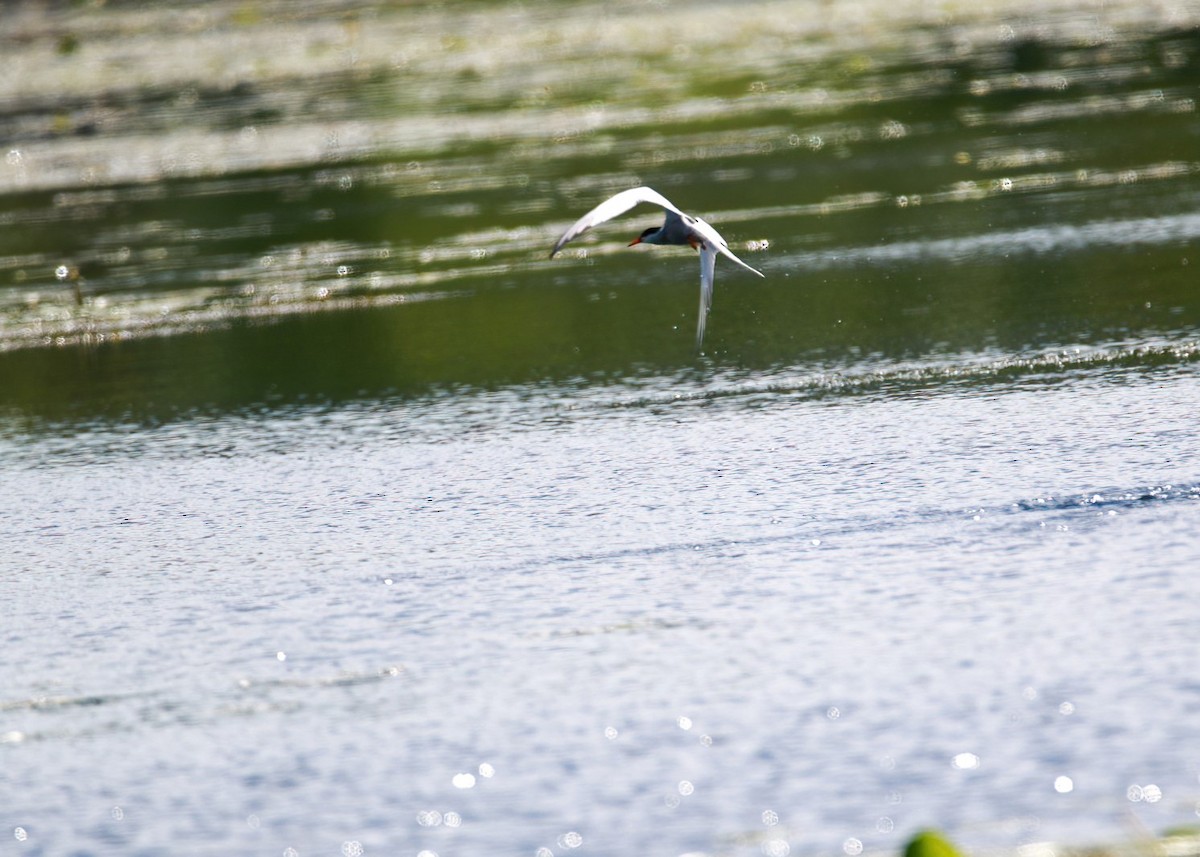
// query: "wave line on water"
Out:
[813,534]
[1125,498]
[1034,240]
[52,703]
[944,375]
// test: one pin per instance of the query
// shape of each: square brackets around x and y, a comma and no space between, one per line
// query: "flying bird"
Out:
[677,228]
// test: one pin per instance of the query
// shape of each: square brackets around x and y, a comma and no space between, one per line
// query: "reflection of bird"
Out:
[678,228]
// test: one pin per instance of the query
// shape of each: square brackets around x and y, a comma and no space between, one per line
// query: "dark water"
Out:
[338,519]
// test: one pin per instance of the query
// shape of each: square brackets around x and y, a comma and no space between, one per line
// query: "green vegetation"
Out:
[930,843]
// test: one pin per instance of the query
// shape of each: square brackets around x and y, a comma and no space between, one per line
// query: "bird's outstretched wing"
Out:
[708,274]
[613,207]
[713,238]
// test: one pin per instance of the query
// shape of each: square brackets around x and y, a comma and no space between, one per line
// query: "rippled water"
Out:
[339,519]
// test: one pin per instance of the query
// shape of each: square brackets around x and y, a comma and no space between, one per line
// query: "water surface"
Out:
[339,519]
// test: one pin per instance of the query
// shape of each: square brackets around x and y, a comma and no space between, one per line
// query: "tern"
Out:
[677,228]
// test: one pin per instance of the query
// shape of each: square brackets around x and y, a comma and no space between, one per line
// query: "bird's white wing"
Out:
[613,207]
[708,273]
[712,237]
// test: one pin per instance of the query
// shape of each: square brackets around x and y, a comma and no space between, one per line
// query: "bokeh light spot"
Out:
[965,761]
[570,839]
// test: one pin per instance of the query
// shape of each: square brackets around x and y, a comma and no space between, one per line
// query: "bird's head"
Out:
[647,236]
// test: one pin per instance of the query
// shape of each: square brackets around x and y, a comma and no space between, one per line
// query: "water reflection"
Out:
[942,185]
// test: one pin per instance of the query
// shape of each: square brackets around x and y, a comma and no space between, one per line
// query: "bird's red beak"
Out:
[637,240]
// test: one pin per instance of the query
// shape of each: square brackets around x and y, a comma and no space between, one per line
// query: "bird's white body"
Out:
[677,228]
